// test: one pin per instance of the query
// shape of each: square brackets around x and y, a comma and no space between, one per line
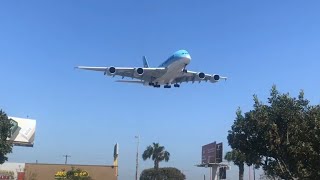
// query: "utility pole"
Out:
[66,156]
[137,156]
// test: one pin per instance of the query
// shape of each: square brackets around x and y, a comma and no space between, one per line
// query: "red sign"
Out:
[20,175]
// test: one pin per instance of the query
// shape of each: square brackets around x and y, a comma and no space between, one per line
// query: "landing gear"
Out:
[184,69]
[176,85]
[151,84]
[156,85]
[167,86]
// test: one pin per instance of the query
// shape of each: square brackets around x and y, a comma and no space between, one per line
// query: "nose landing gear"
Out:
[184,69]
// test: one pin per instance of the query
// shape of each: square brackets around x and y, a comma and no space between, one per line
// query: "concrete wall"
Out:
[35,171]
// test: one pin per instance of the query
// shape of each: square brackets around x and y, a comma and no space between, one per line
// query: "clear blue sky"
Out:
[83,114]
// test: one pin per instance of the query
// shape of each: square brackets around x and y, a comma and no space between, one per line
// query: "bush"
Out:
[73,174]
[168,173]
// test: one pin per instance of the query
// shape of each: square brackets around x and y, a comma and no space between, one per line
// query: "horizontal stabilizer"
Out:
[125,81]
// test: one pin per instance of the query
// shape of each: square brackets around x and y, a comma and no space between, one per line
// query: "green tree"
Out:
[157,153]
[168,173]
[238,159]
[282,136]
[5,133]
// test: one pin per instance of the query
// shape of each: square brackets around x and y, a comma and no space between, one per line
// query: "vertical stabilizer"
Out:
[145,62]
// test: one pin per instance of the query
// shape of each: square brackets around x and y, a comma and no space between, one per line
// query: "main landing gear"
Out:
[156,85]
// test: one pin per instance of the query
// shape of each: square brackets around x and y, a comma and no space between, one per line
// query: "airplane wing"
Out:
[145,74]
[191,76]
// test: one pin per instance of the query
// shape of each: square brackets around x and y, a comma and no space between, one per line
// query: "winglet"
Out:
[145,62]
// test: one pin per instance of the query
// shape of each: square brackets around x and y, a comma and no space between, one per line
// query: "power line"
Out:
[66,156]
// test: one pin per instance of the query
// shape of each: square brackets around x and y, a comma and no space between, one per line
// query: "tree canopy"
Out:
[238,159]
[282,136]
[157,153]
[168,173]
[5,133]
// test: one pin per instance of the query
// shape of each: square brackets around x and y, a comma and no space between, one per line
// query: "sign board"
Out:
[22,131]
[212,153]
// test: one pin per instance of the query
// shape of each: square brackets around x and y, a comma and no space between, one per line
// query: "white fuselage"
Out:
[174,70]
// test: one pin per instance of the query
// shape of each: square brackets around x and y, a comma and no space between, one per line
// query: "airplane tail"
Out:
[145,62]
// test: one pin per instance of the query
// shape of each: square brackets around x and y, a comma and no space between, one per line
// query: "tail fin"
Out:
[145,62]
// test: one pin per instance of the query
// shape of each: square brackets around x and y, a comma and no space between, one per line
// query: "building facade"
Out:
[36,171]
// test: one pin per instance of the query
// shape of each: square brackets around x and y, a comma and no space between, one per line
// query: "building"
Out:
[47,171]
[39,171]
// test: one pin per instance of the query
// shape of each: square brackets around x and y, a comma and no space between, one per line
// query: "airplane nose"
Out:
[188,56]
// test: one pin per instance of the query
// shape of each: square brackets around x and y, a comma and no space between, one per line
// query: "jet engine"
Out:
[201,75]
[111,71]
[215,78]
[138,71]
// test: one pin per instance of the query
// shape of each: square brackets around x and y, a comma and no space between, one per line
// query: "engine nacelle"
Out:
[110,71]
[201,75]
[138,72]
[215,78]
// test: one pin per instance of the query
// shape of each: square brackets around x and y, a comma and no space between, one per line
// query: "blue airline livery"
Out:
[172,71]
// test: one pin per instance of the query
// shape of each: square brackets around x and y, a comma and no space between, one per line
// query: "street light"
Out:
[137,156]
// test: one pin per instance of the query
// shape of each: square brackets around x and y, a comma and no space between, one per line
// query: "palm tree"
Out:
[157,153]
[238,159]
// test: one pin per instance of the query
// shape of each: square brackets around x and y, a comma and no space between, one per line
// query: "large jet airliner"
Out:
[172,71]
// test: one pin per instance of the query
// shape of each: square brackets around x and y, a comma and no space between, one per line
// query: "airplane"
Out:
[172,71]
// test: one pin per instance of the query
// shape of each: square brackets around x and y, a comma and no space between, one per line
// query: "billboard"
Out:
[212,153]
[22,131]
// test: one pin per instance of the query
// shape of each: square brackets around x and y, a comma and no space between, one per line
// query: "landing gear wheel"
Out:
[176,85]
[167,86]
